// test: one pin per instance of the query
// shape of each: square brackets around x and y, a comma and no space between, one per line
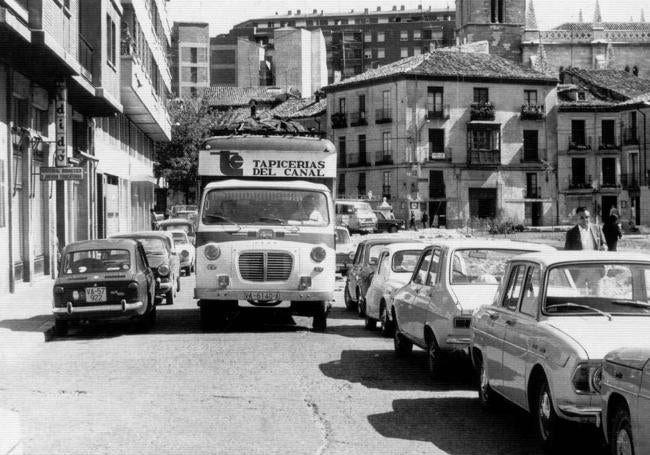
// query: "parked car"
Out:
[360,273]
[344,249]
[189,212]
[11,439]
[179,224]
[163,259]
[626,400]
[103,279]
[451,280]
[185,250]
[386,222]
[541,344]
[395,266]
[355,215]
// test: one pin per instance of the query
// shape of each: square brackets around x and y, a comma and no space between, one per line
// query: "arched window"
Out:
[497,11]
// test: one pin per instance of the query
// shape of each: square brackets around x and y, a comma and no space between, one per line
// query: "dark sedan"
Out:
[386,222]
[104,279]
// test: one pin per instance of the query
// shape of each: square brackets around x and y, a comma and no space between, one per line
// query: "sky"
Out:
[222,14]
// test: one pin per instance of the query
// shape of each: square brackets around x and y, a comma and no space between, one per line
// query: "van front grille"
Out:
[265,266]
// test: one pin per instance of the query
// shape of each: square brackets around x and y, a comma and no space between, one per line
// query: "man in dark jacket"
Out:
[584,235]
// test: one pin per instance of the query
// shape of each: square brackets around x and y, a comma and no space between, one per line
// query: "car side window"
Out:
[141,259]
[421,272]
[434,270]
[359,255]
[530,299]
[515,285]
[382,263]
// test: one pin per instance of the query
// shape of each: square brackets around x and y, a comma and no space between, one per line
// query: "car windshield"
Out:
[184,209]
[405,261]
[342,237]
[265,206]
[186,227]
[480,266]
[96,261]
[179,238]
[153,246]
[597,288]
[362,207]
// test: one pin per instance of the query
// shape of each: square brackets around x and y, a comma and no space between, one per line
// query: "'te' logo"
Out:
[231,163]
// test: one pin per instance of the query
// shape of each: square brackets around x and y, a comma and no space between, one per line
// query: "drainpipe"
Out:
[10,177]
[645,150]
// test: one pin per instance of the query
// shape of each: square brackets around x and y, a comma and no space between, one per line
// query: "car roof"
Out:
[387,240]
[394,247]
[101,244]
[547,259]
[489,244]
[143,234]
[176,221]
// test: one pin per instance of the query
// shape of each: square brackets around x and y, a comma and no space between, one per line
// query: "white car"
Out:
[185,251]
[396,263]
[345,249]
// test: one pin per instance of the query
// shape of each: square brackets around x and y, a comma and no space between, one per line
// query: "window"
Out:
[434,269]
[111,40]
[361,186]
[417,34]
[487,139]
[608,134]
[531,144]
[417,51]
[427,34]
[497,12]
[530,97]
[367,53]
[341,185]
[422,271]
[578,132]
[434,101]
[437,187]
[531,185]
[342,151]
[386,142]
[362,148]
[578,171]
[481,95]
[362,104]
[21,112]
[404,35]
[515,285]
[436,143]
[341,105]
[404,52]
[367,37]
[381,53]
[194,74]
[529,302]
[385,100]
[3,190]
[381,37]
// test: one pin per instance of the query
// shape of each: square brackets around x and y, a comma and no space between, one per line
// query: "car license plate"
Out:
[262,295]
[96,295]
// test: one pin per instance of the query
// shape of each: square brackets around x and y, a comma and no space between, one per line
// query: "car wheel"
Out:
[433,357]
[61,327]
[361,304]
[403,346]
[350,304]
[148,319]
[385,323]
[393,229]
[547,421]
[370,324]
[485,394]
[621,442]
[170,297]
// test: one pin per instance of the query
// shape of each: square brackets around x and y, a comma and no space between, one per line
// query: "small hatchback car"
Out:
[541,344]
[185,250]
[626,400]
[103,279]
[344,249]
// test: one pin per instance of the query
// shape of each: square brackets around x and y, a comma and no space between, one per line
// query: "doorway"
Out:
[606,204]
[483,202]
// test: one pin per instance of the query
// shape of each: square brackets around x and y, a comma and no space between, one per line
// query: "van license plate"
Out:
[96,295]
[262,295]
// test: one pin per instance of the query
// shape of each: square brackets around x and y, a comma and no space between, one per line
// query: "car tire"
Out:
[485,393]
[434,357]
[393,229]
[319,321]
[547,422]
[403,346]
[170,297]
[370,324]
[361,304]
[146,322]
[350,304]
[61,327]
[386,324]
[620,438]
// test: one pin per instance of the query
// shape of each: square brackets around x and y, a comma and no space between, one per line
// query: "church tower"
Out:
[499,22]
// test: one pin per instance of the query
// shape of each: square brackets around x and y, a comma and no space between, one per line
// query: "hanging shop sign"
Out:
[61,150]
[62,173]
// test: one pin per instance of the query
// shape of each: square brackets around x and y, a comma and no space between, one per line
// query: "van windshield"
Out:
[265,206]
[362,207]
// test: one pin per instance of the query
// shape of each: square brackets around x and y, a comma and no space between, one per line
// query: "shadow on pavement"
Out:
[34,324]
[459,426]
[385,371]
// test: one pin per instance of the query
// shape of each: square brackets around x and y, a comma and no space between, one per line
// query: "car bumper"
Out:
[582,414]
[123,308]
[249,294]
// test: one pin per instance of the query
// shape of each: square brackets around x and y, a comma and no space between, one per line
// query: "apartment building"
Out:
[601,135]
[459,135]
[190,58]
[62,71]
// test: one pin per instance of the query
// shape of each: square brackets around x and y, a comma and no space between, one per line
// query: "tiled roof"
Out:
[452,65]
[239,121]
[236,96]
[321,14]
[300,108]
[618,84]
[614,26]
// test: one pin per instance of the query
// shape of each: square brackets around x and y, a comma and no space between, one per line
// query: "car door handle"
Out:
[511,322]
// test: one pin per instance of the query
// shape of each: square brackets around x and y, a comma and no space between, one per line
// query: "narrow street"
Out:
[256,388]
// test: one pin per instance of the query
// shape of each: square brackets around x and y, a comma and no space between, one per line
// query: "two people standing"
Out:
[588,236]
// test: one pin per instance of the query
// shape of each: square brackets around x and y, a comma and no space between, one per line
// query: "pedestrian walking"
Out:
[612,231]
[425,220]
[412,222]
[584,235]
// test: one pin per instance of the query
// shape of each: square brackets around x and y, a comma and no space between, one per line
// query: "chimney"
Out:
[379,8]
[365,11]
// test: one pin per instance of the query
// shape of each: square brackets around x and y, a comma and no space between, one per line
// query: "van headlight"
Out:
[318,254]
[212,252]
[163,270]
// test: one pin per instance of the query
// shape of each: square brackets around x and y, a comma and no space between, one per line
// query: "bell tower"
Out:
[499,22]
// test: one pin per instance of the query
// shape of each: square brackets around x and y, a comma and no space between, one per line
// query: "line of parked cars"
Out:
[123,277]
[563,335]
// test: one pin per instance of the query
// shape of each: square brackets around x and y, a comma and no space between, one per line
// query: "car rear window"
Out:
[96,261]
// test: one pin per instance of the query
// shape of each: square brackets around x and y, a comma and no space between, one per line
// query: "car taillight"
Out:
[462,323]
[587,378]
[212,252]
[185,253]
[59,290]
[163,270]
[132,290]
[318,254]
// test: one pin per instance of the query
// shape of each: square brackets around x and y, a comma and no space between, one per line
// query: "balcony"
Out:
[383,157]
[440,114]
[630,181]
[609,184]
[579,143]
[608,143]
[339,120]
[358,118]
[481,111]
[533,192]
[383,115]
[630,136]
[139,98]
[584,183]
[533,112]
[358,160]
[483,157]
